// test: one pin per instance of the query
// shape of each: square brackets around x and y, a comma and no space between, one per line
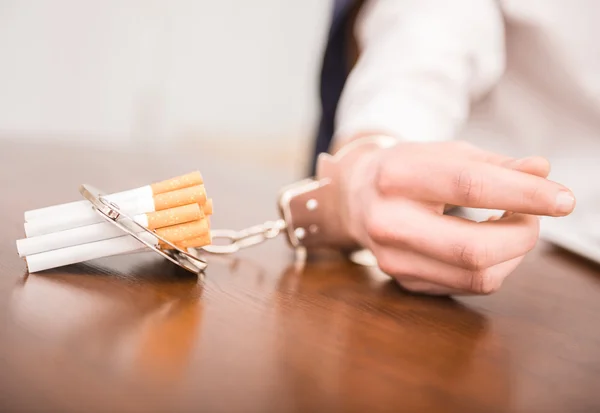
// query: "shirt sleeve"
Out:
[421,64]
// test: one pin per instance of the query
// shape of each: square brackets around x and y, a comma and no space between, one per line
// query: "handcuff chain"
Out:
[244,238]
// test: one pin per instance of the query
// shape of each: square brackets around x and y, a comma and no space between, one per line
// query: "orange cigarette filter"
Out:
[197,242]
[181,232]
[192,195]
[208,207]
[179,182]
[174,216]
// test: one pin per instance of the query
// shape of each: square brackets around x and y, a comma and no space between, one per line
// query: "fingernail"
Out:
[565,202]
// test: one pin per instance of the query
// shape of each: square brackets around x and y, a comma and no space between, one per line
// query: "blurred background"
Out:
[200,74]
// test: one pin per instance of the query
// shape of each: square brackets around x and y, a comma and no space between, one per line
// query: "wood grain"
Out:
[257,334]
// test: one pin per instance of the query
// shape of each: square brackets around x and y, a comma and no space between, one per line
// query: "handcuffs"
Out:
[308,209]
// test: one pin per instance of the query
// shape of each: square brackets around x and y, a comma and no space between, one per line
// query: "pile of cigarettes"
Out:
[176,209]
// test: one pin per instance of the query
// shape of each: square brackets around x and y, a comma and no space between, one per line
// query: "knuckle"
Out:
[483,282]
[472,255]
[468,187]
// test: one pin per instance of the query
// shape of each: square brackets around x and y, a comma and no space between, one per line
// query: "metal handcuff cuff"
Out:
[308,216]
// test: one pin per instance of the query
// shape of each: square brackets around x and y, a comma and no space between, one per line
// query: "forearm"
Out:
[419,65]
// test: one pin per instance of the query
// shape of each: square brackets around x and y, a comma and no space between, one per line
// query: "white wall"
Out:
[160,71]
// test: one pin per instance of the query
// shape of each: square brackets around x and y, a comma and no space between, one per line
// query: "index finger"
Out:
[477,185]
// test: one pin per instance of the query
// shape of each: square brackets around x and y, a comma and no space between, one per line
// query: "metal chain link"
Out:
[244,238]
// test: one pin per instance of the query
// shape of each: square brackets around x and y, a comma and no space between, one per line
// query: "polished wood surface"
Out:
[257,334]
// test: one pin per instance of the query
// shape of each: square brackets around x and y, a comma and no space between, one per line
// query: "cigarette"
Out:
[113,246]
[192,195]
[145,203]
[85,252]
[181,232]
[180,182]
[106,230]
[173,184]
[197,242]
[173,216]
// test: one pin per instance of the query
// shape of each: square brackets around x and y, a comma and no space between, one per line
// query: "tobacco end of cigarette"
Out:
[179,182]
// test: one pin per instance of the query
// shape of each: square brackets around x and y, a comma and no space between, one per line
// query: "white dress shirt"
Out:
[520,77]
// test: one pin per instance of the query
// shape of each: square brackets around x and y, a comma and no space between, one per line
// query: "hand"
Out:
[393,203]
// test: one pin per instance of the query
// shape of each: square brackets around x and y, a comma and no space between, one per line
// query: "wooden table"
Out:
[132,334]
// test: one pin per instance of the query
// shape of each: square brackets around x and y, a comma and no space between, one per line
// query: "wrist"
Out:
[356,175]
[316,210]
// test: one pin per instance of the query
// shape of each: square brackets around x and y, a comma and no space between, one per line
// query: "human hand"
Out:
[393,203]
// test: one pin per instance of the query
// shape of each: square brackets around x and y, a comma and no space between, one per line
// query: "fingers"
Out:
[465,150]
[419,273]
[416,285]
[534,165]
[453,240]
[474,184]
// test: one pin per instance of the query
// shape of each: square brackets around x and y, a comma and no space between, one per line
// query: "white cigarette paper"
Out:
[85,252]
[78,208]
[86,216]
[74,236]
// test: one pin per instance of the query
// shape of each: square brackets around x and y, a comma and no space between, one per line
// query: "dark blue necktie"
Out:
[334,71]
